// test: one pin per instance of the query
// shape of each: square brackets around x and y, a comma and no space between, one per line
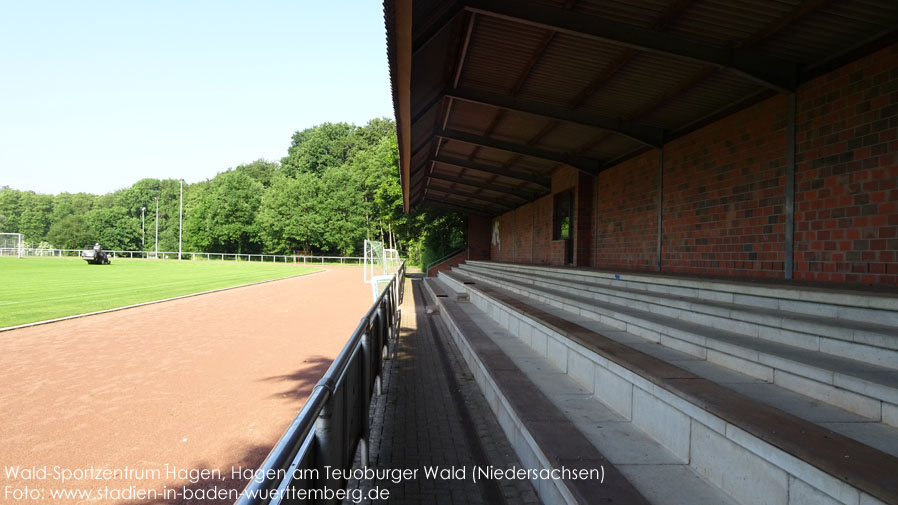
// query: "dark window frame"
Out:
[563,215]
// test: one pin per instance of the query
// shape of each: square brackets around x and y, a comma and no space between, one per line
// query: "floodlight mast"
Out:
[157,227]
[180,216]
[143,232]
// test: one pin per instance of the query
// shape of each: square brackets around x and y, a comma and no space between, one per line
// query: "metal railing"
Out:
[195,256]
[334,420]
[444,258]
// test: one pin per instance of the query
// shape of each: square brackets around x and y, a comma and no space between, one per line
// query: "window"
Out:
[563,216]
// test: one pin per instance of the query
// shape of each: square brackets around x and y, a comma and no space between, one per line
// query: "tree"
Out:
[290,216]
[230,213]
[344,210]
[10,209]
[70,232]
[319,148]
[113,228]
[34,221]
[260,170]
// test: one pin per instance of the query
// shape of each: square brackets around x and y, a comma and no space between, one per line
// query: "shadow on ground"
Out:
[299,384]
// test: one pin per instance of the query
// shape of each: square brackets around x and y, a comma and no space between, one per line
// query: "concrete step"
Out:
[530,396]
[845,300]
[869,335]
[868,390]
[753,451]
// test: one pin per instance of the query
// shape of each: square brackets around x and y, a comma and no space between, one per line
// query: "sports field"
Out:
[166,392]
[37,289]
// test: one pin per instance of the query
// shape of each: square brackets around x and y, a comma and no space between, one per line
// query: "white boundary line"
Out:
[76,316]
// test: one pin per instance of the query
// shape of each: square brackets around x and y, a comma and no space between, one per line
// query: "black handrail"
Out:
[444,258]
[334,420]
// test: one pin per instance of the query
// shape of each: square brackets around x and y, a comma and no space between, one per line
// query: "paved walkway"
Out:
[433,414]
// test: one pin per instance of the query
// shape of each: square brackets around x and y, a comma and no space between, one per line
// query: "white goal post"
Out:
[380,265]
[12,244]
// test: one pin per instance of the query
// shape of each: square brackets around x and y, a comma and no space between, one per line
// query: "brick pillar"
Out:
[583,210]
[479,238]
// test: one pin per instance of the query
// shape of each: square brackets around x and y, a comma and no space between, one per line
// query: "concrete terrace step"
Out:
[552,421]
[754,452]
[846,300]
[870,334]
[865,389]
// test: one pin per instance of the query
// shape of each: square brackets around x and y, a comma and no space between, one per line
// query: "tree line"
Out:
[337,186]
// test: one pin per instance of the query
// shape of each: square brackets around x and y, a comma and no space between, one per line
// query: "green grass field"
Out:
[37,289]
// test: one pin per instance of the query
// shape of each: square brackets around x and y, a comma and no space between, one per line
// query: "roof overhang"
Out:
[492,96]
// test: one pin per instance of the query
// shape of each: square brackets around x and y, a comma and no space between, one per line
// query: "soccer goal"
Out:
[12,244]
[380,264]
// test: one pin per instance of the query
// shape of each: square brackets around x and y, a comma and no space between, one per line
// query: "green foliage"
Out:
[290,217]
[337,186]
[113,229]
[318,148]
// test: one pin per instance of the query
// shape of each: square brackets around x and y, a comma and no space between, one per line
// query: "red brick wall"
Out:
[447,264]
[628,215]
[724,195]
[846,181]
[542,238]
[478,238]
[504,250]
[724,191]
[523,236]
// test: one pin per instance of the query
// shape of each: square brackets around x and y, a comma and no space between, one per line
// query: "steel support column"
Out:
[660,204]
[790,187]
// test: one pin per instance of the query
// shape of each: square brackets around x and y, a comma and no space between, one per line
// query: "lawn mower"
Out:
[95,255]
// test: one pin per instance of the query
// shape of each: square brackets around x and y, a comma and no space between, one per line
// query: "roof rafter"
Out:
[438,203]
[645,134]
[436,27]
[504,172]
[472,196]
[772,72]
[582,163]
[519,194]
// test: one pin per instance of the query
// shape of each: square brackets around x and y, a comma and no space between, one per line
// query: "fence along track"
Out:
[190,255]
[334,420]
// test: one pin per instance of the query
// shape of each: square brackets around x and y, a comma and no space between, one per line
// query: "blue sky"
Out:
[97,95]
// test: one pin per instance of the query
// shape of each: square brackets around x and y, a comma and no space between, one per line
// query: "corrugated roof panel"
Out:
[567,66]
[567,137]
[521,127]
[646,78]
[427,12]
[498,53]
[470,117]
[721,21]
[831,30]
[456,149]
[612,147]
[718,91]
[643,14]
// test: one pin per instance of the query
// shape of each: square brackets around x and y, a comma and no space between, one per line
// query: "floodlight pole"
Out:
[180,215]
[157,227]
[143,231]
